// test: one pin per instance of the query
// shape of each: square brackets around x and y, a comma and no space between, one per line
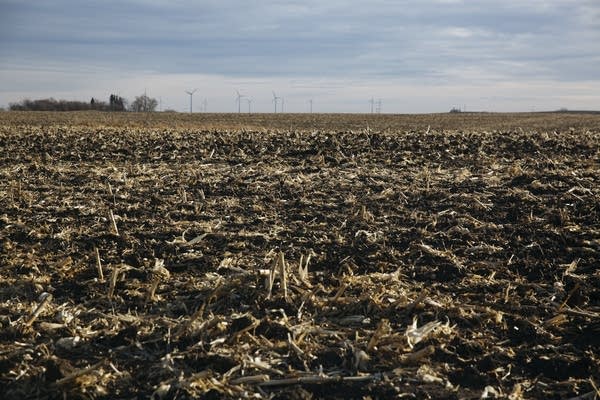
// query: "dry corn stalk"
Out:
[364,215]
[258,363]
[183,194]
[79,373]
[277,267]
[99,264]
[564,303]
[416,334]
[159,273]
[303,269]
[294,346]
[271,278]
[113,223]
[556,320]
[283,273]
[340,291]
[382,329]
[248,380]
[44,299]
[361,359]
[412,358]
[445,255]
[113,281]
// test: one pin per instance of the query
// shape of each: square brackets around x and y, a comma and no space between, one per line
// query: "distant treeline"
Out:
[56,105]
[115,103]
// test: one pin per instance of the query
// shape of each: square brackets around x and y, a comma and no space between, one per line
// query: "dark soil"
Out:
[449,256]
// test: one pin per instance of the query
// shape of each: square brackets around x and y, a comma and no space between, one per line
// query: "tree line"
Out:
[115,102]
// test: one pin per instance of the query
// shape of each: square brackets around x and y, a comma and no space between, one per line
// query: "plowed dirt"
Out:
[299,256]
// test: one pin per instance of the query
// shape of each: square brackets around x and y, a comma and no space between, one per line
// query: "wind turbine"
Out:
[239,100]
[249,105]
[311,104]
[275,100]
[282,103]
[191,93]
[205,104]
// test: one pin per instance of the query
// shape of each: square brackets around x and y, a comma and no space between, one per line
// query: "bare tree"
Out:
[117,103]
[144,103]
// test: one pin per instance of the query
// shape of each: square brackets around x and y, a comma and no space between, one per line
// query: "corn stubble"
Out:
[231,256]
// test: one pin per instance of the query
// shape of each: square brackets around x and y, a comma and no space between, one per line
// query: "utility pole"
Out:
[191,93]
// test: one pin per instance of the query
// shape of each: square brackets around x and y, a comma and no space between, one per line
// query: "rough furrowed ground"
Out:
[169,260]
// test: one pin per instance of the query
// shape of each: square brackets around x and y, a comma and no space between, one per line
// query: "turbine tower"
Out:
[311,104]
[239,100]
[282,103]
[191,93]
[275,100]
[249,105]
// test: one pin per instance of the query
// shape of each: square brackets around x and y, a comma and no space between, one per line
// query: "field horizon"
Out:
[323,121]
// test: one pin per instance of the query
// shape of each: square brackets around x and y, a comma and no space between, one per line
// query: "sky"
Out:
[415,56]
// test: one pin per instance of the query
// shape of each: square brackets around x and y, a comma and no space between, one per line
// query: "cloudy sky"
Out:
[415,55]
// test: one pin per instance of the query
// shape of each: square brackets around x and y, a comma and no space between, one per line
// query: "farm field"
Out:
[299,256]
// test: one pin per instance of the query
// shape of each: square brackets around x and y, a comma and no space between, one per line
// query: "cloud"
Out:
[458,32]
[414,43]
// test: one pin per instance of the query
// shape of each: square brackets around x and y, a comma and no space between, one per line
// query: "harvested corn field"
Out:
[290,256]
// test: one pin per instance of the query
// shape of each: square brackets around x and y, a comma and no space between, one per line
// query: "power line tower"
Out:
[191,93]
[378,106]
